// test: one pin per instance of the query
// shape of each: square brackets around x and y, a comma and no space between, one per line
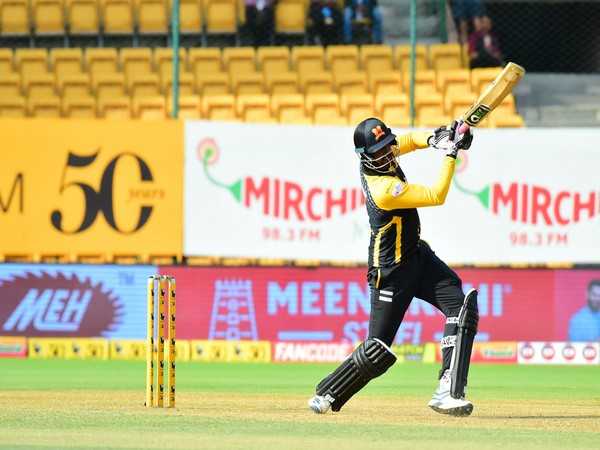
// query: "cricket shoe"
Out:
[443,403]
[320,404]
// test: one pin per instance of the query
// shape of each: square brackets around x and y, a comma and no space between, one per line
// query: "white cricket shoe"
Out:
[443,403]
[319,404]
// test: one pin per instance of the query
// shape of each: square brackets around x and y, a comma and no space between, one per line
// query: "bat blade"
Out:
[493,94]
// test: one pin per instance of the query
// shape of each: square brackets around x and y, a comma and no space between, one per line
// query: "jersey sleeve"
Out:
[390,193]
[410,142]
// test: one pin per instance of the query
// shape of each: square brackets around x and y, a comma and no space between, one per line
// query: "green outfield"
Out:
[84,405]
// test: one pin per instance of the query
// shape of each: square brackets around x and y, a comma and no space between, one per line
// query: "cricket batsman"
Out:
[402,266]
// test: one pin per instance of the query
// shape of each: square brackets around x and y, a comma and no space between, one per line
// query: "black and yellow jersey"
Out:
[392,205]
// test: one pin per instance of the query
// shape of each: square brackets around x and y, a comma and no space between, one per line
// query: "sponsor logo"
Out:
[569,352]
[548,351]
[15,194]
[56,305]
[589,352]
[527,351]
[311,352]
[478,114]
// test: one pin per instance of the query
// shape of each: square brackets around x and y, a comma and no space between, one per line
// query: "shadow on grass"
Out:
[538,417]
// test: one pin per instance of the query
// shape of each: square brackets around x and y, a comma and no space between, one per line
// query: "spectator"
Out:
[484,50]
[465,12]
[360,11]
[326,18]
[585,323]
[260,20]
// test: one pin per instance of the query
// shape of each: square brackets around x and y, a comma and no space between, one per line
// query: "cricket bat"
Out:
[493,95]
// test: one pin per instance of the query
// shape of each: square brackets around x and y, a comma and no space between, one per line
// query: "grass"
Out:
[85,405]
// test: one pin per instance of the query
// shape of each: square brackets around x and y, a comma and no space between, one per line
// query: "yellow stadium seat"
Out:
[149,108]
[455,104]
[445,56]
[323,108]
[204,60]
[273,60]
[221,16]
[506,120]
[136,61]
[14,106]
[385,83]
[289,108]
[453,77]
[426,120]
[48,16]
[422,78]
[402,57]
[14,18]
[101,60]
[80,108]
[357,107]
[191,16]
[143,85]
[39,86]
[83,16]
[317,83]
[309,59]
[189,107]
[281,83]
[459,89]
[429,105]
[117,16]
[31,61]
[212,84]
[376,58]
[247,83]
[6,61]
[239,60]
[186,84]
[10,85]
[66,61]
[152,16]
[351,83]
[114,108]
[342,58]
[74,86]
[44,107]
[163,61]
[254,108]
[219,107]
[109,85]
[481,77]
[393,109]
[290,17]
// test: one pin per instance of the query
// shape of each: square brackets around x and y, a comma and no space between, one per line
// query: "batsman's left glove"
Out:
[440,138]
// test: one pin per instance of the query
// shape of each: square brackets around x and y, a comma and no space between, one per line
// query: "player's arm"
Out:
[410,142]
[390,193]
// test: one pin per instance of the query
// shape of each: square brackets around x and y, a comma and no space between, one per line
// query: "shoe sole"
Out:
[459,411]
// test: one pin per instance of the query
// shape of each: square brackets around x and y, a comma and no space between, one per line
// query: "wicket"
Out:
[155,347]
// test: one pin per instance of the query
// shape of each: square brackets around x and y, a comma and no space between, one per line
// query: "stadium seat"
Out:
[74,86]
[117,17]
[423,89]
[506,120]
[66,61]
[29,61]
[393,109]
[239,60]
[114,108]
[152,16]
[136,61]
[14,106]
[189,107]
[80,108]
[108,85]
[149,108]
[455,104]
[186,84]
[376,58]
[350,83]
[445,56]
[247,83]
[273,60]
[39,86]
[357,107]
[402,57]
[481,77]
[6,61]
[429,105]
[342,58]
[385,83]
[101,60]
[289,108]
[212,84]
[323,108]
[422,78]
[254,108]
[204,60]
[281,83]
[309,59]
[219,107]
[426,120]
[44,107]
[10,85]
[450,78]
[83,17]
[48,17]
[14,18]
[163,61]
[191,16]
[221,16]
[316,83]
[143,85]
[290,17]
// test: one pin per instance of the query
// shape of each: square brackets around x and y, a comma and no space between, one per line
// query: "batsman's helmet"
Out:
[370,137]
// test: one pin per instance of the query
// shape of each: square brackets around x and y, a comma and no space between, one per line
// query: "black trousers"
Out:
[425,276]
